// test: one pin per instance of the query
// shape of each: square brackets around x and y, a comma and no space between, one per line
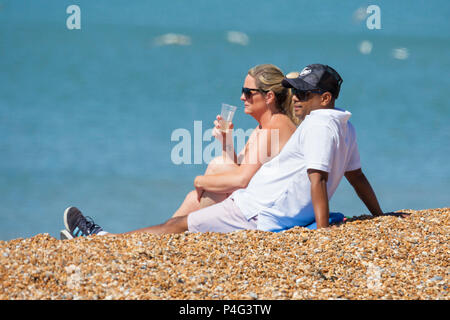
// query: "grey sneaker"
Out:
[78,225]
[65,235]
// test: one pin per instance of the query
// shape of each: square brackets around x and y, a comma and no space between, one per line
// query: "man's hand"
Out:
[397,214]
[319,196]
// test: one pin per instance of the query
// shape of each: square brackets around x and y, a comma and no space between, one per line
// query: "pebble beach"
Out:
[365,257]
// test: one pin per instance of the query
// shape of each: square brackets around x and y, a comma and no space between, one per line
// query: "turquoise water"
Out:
[86,116]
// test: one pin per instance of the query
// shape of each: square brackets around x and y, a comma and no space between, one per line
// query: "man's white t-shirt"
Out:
[280,191]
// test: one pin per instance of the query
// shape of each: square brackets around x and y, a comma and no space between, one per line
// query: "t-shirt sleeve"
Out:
[354,161]
[319,148]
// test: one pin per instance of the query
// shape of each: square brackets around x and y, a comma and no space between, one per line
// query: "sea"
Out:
[91,93]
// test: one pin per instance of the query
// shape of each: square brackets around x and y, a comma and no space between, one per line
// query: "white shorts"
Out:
[221,217]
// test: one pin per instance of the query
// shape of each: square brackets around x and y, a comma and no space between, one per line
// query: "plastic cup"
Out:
[227,116]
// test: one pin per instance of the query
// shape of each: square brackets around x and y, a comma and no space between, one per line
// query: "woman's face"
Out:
[255,102]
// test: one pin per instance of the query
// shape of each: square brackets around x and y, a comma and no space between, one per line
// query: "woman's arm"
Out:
[226,138]
[257,152]
[227,182]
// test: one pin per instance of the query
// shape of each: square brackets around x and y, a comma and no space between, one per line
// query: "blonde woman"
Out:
[270,104]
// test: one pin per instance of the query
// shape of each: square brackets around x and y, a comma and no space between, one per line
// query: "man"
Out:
[292,189]
[329,140]
[297,109]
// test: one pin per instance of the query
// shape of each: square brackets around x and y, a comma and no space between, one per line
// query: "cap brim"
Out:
[298,84]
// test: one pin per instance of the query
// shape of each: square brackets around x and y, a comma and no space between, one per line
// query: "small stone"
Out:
[253,295]
[436,278]
[365,258]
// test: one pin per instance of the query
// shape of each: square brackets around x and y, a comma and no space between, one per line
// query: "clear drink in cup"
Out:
[227,116]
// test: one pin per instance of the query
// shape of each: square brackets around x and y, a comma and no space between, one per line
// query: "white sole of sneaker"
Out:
[66,224]
[65,235]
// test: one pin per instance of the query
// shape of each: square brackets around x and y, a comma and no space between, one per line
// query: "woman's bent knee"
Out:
[218,165]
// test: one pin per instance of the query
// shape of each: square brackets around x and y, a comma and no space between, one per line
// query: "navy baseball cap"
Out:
[315,77]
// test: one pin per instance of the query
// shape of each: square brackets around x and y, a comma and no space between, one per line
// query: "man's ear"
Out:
[327,98]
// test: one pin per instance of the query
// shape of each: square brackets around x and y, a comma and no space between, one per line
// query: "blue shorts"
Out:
[335,217]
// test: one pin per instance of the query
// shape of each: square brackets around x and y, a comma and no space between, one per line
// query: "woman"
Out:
[266,100]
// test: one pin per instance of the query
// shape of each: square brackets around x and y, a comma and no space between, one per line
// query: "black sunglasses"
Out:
[248,92]
[305,95]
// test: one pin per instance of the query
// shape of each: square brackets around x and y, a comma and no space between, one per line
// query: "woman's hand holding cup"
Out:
[220,132]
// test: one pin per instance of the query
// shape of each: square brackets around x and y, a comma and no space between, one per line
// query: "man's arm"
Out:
[364,191]
[319,197]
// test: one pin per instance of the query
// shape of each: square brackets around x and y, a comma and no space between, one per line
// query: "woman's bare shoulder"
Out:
[281,121]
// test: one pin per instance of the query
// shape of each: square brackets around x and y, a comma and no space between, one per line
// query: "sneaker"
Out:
[78,225]
[65,235]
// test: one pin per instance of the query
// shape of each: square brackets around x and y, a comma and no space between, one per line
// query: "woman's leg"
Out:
[173,225]
[191,204]
[216,166]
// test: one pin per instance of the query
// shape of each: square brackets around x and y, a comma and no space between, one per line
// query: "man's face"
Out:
[303,108]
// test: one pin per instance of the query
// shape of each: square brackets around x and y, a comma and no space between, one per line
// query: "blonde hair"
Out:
[268,78]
